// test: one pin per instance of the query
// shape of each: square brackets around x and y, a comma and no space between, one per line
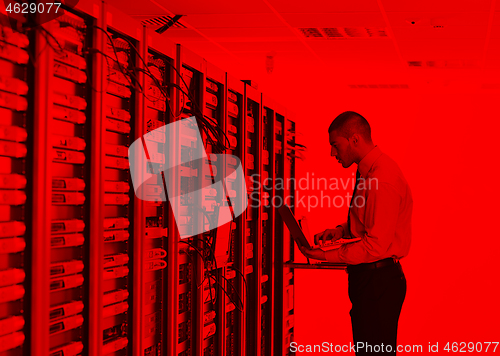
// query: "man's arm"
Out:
[346,235]
[381,216]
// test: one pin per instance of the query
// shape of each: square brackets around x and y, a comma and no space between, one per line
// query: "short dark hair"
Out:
[348,123]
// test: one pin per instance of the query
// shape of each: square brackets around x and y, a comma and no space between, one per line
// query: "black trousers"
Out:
[377,296]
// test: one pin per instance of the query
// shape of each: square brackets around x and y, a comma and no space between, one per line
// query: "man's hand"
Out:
[315,254]
[329,234]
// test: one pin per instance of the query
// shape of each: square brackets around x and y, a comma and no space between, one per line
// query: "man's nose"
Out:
[333,152]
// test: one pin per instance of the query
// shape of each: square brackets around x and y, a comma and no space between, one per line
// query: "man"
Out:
[379,213]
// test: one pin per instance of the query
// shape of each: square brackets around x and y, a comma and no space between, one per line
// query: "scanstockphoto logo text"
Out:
[310,192]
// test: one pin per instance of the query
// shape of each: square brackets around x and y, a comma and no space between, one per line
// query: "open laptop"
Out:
[301,238]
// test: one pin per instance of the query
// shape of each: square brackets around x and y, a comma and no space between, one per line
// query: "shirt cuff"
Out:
[344,229]
[333,256]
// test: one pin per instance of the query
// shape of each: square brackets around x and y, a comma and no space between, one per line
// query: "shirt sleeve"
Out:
[344,229]
[381,216]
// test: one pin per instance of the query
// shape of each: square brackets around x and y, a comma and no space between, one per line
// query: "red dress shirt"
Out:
[380,214]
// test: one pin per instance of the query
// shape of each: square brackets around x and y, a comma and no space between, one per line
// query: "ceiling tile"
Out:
[443,44]
[437,5]
[322,6]
[352,45]
[345,19]
[137,7]
[367,71]
[188,7]
[203,47]
[361,56]
[248,34]
[426,19]
[495,32]
[493,51]
[449,49]
[279,58]
[450,32]
[233,20]
[493,63]
[183,34]
[265,47]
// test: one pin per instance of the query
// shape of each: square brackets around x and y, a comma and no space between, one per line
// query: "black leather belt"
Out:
[373,265]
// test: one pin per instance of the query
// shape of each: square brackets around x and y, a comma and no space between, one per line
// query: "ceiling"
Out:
[441,38]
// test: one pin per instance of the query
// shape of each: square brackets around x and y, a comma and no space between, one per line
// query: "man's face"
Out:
[341,149]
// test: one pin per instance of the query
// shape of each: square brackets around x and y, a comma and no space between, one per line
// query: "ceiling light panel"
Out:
[246,34]
[423,19]
[332,33]
[437,5]
[264,47]
[493,51]
[202,21]
[449,48]
[495,31]
[135,8]
[346,19]
[323,6]
[359,45]
[492,64]
[215,7]
[450,32]
[183,34]
[204,47]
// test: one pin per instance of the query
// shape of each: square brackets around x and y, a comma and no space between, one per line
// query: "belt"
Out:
[373,265]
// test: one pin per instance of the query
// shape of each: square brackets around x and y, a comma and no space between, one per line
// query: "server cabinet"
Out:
[121,210]
[235,321]
[189,298]
[270,182]
[201,301]
[62,97]
[284,156]
[253,228]
[115,274]
[212,320]
[16,157]
[68,168]
[158,112]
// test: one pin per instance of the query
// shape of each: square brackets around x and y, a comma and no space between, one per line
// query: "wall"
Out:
[445,145]
[443,132]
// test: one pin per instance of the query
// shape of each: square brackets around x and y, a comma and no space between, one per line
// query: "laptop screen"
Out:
[292,224]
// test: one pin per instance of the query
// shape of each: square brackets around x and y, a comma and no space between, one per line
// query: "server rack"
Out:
[269,182]
[235,322]
[189,298]
[122,221]
[158,112]
[213,315]
[15,171]
[253,228]
[93,252]
[67,170]
[284,248]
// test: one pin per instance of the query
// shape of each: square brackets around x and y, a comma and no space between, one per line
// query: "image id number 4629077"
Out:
[33,8]
[471,347]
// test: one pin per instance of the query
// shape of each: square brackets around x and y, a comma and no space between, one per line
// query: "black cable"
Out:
[218,146]
[212,253]
[244,279]
[234,289]
[194,247]
[116,55]
[146,70]
[226,293]
[203,211]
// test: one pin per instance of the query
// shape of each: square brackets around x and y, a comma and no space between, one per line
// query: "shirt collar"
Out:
[367,162]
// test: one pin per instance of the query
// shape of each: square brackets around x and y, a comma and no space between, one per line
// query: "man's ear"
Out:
[355,139]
